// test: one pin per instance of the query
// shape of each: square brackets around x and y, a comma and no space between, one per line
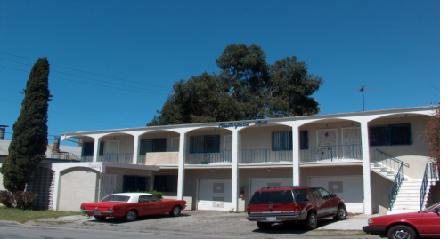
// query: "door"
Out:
[327,141]
[351,143]
[329,204]
[111,150]
[215,194]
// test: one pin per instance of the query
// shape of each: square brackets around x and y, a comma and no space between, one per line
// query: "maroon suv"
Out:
[271,205]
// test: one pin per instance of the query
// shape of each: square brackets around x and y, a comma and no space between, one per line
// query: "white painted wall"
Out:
[76,186]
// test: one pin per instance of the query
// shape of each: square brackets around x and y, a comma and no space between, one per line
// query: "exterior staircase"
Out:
[408,197]
[406,194]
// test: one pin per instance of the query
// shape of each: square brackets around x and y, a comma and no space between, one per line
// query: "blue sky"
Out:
[113,63]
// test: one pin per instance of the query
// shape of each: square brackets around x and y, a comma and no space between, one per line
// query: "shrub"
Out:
[7,198]
[24,200]
[156,193]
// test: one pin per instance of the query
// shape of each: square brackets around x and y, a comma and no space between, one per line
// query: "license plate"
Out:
[271,219]
[96,213]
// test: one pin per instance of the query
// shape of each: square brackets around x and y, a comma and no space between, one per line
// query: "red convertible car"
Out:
[132,205]
[407,225]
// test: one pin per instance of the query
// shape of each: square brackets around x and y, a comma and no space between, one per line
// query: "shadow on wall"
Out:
[380,193]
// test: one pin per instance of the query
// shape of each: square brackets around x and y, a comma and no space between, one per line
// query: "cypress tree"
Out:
[29,138]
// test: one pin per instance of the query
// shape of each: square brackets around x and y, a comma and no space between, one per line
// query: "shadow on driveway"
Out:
[120,221]
[292,227]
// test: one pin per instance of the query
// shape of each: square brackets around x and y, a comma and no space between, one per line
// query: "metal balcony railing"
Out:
[331,153]
[87,158]
[225,156]
[265,156]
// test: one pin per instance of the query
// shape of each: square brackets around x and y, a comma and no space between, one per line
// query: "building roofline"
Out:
[278,119]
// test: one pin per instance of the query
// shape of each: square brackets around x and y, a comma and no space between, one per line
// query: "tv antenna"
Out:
[363,91]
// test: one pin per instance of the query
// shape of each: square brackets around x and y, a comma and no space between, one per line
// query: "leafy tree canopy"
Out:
[246,87]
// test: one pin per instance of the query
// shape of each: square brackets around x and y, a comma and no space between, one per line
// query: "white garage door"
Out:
[215,194]
[348,187]
[257,183]
[76,187]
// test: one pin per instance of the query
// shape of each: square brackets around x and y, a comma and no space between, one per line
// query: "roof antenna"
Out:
[363,91]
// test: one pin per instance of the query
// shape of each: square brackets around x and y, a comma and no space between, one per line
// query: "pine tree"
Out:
[29,138]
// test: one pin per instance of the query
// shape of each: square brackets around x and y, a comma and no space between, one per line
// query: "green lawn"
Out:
[22,216]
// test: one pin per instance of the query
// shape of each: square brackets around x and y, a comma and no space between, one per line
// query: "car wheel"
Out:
[401,232]
[341,213]
[99,218]
[176,211]
[264,226]
[131,215]
[311,221]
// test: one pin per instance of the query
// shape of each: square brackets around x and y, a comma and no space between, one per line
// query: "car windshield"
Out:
[115,198]
[432,207]
[272,197]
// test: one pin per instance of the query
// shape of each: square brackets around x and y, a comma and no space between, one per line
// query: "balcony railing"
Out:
[116,158]
[225,156]
[265,156]
[87,158]
[331,153]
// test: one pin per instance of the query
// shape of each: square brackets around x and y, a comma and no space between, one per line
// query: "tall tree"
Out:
[29,138]
[292,88]
[246,87]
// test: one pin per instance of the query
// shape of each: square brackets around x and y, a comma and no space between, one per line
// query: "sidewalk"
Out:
[352,223]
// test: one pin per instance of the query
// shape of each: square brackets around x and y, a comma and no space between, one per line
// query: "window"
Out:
[165,183]
[204,144]
[115,198]
[304,140]
[87,149]
[147,198]
[152,145]
[392,134]
[282,140]
[272,197]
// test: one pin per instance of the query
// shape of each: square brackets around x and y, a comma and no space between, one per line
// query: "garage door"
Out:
[215,194]
[348,187]
[76,187]
[257,183]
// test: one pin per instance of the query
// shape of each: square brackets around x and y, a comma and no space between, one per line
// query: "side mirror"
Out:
[437,210]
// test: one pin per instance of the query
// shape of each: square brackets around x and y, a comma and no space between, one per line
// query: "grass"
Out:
[22,216]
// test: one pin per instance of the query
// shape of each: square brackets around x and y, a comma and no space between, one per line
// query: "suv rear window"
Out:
[272,197]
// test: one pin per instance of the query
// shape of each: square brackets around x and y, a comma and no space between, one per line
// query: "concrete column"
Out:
[235,169]
[96,148]
[367,185]
[180,167]
[136,148]
[295,156]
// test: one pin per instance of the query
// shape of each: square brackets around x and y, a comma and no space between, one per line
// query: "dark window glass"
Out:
[204,144]
[272,197]
[400,134]
[152,145]
[281,140]
[300,195]
[165,183]
[147,198]
[393,134]
[304,140]
[87,149]
[135,183]
[115,198]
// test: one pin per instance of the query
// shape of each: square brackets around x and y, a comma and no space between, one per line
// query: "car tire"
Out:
[264,226]
[176,212]
[100,218]
[341,214]
[401,232]
[131,215]
[311,220]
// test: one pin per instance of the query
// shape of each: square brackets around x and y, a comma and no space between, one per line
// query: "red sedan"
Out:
[407,225]
[132,205]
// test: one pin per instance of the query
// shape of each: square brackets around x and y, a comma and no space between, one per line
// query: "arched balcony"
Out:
[209,146]
[116,148]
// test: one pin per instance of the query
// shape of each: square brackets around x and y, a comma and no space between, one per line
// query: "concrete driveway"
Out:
[198,224]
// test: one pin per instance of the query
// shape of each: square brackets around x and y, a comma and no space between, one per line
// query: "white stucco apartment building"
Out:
[218,166]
